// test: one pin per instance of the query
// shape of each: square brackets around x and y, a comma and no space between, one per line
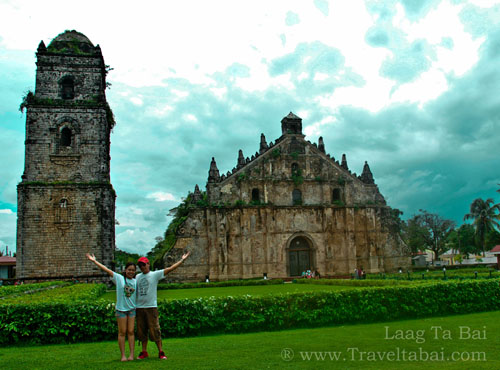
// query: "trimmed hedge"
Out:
[27,288]
[67,314]
[89,321]
[459,274]
[358,283]
[61,294]
[219,284]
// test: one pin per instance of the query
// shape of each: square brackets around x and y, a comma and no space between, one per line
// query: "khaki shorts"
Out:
[148,323]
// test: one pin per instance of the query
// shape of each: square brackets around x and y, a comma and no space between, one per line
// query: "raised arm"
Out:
[91,258]
[177,264]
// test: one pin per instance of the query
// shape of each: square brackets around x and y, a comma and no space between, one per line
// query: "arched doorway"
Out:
[299,256]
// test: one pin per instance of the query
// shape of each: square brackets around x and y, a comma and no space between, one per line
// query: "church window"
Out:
[63,203]
[67,88]
[255,195]
[295,168]
[297,197]
[336,196]
[65,137]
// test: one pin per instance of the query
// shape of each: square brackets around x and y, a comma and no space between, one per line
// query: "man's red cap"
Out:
[143,260]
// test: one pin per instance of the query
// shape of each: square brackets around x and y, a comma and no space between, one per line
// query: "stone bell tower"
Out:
[66,203]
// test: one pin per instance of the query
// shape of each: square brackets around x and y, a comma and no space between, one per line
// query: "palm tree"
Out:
[484,216]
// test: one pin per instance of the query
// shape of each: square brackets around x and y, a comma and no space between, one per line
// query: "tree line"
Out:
[429,231]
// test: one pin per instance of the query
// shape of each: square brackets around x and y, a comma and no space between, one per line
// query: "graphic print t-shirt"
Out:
[125,292]
[146,288]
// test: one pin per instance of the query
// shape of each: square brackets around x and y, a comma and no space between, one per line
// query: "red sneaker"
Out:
[162,356]
[142,355]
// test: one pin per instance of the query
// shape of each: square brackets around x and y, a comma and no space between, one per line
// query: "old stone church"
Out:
[288,208]
[66,203]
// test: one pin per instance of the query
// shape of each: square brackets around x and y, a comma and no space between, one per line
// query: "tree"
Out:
[484,216]
[492,239]
[163,245]
[429,231]
[463,240]
[413,235]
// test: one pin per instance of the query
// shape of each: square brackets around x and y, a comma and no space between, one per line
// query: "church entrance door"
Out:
[299,256]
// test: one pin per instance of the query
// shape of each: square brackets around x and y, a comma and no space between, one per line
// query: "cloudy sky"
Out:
[412,86]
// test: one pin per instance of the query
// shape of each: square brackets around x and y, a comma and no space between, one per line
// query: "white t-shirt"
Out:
[146,288]
[125,292]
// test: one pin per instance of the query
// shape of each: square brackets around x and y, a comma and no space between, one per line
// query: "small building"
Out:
[7,267]
[496,251]
[449,257]
[419,259]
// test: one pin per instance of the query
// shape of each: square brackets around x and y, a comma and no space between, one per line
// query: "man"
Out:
[147,311]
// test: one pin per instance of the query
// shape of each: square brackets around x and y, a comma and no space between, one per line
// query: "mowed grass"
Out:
[258,290]
[356,346]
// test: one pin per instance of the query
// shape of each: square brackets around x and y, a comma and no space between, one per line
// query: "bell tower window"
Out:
[67,88]
[65,137]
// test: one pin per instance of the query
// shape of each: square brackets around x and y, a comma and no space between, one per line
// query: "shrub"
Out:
[29,288]
[92,319]
[67,314]
[220,284]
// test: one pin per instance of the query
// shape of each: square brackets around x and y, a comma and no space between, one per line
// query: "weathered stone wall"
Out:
[53,237]
[246,242]
[272,173]
[85,160]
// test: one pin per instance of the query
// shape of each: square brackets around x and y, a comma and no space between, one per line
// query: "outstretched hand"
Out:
[90,257]
[186,255]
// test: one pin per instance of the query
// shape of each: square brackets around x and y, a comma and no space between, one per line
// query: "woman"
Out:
[125,304]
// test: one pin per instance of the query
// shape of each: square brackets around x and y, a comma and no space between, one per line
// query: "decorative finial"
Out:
[343,164]
[321,144]
[367,176]
[263,144]
[213,173]
[241,159]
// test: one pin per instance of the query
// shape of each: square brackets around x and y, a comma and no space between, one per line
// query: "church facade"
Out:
[66,203]
[291,207]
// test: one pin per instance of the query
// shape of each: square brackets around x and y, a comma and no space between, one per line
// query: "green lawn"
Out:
[257,290]
[357,347]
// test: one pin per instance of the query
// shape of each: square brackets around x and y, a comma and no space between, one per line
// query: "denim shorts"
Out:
[123,314]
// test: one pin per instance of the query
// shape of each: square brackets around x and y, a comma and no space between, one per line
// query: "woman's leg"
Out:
[122,330]
[130,334]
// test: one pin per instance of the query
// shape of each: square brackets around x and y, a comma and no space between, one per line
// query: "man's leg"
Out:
[159,345]
[142,331]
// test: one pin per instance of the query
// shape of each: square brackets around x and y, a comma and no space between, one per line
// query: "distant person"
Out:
[316,274]
[147,308]
[125,304]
